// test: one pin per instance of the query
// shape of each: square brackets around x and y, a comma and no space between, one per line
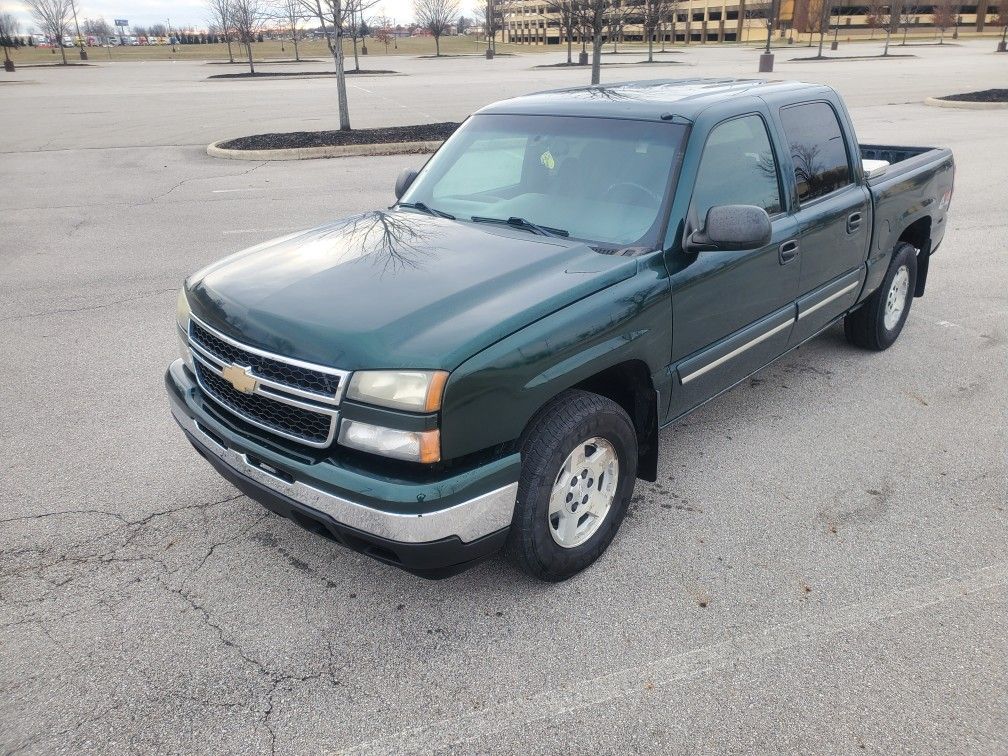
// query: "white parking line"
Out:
[228,191]
[438,735]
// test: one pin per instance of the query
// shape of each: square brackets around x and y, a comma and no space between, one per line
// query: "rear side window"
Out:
[737,168]
[817,149]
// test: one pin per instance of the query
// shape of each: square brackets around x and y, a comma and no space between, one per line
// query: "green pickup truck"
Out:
[487,364]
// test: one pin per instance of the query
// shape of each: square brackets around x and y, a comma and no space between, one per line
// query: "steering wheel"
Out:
[636,187]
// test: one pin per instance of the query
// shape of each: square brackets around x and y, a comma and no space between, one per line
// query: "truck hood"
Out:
[396,289]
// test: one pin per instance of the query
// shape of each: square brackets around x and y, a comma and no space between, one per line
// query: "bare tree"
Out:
[436,16]
[943,16]
[594,17]
[357,21]
[98,28]
[333,15]
[874,16]
[9,27]
[158,30]
[1001,19]
[907,15]
[53,18]
[221,17]
[654,14]
[887,19]
[248,17]
[383,32]
[289,14]
[565,12]
[756,12]
[825,9]
[619,12]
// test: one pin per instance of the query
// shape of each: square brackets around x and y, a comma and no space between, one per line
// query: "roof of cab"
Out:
[648,100]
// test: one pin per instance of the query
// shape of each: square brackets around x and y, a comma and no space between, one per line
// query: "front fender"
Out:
[490,398]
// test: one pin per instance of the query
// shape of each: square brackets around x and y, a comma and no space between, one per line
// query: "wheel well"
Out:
[918,234]
[629,385]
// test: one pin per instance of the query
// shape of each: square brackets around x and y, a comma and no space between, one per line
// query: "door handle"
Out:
[853,222]
[788,251]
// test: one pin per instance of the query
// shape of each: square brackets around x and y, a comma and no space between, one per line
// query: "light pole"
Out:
[83,52]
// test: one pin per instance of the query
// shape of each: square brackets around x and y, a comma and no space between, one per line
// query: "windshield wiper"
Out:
[523,223]
[424,208]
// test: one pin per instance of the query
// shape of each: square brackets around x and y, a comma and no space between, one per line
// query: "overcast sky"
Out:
[181,12]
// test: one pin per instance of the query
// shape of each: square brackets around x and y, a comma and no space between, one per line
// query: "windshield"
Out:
[598,179]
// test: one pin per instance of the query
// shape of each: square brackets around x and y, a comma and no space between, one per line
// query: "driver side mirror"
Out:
[403,182]
[732,228]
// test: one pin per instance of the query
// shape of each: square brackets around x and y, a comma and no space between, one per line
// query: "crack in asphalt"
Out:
[70,310]
[173,579]
[162,195]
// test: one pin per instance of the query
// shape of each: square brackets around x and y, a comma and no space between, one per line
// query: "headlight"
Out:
[412,390]
[415,446]
[182,332]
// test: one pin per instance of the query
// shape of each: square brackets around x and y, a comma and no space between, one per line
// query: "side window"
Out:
[817,149]
[737,168]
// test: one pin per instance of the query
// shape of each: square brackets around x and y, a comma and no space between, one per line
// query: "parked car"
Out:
[488,364]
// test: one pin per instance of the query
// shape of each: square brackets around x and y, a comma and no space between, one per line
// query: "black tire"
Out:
[571,419]
[866,327]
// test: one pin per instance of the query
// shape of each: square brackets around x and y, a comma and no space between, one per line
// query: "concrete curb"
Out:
[938,103]
[311,153]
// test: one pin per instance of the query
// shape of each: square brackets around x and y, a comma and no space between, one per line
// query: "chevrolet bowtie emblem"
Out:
[240,378]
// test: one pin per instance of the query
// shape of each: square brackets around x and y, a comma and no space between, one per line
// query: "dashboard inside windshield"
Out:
[602,180]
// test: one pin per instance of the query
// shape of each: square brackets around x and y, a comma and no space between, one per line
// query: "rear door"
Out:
[833,214]
[732,311]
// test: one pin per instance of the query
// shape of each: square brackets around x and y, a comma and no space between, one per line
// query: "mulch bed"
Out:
[612,65]
[266,62]
[427,132]
[984,95]
[638,52]
[278,74]
[857,57]
[463,55]
[57,64]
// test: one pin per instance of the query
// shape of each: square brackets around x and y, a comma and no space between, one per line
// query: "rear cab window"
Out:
[818,149]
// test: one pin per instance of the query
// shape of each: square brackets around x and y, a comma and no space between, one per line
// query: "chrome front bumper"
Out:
[469,520]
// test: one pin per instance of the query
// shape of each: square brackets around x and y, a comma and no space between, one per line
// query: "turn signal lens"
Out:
[415,446]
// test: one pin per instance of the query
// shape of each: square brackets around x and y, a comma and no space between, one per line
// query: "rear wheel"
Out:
[579,466]
[878,322]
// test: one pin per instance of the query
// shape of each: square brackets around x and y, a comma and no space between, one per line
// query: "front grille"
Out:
[285,373]
[313,428]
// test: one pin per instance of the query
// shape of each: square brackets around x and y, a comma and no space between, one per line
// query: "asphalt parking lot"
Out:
[821,568]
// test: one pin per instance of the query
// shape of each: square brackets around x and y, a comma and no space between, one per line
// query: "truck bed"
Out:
[908,195]
[902,160]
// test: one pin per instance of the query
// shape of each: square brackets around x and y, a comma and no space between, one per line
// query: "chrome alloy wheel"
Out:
[583,492]
[896,299]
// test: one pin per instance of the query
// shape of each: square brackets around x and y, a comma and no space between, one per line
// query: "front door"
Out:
[732,312]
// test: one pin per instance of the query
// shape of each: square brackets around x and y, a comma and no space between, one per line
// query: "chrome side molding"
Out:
[737,351]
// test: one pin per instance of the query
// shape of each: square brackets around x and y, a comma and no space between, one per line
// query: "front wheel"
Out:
[878,322]
[579,466]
